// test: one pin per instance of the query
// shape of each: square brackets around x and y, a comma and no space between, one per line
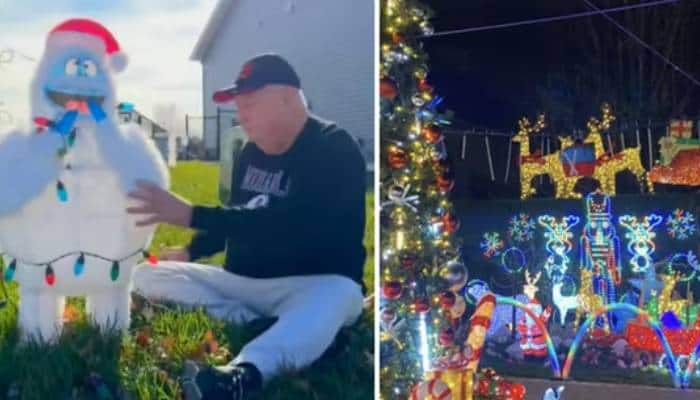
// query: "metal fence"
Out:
[197,126]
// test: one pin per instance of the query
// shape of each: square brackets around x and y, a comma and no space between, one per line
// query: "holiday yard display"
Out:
[63,224]
[617,310]
[679,156]
[574,161]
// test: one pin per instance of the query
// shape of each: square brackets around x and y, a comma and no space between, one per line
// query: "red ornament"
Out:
[445,184]
[392,290]
[152,259]
[447,337]
[49,276]
[447,300]
[396,38]
[388,88]
[424,86]
[432,134]
[441,166]
[450,223]
[397,157]
[42,124]
[408,259]
[421,305]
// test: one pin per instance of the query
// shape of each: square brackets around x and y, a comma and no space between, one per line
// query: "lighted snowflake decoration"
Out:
[492,244]
[680,224]
[521,228]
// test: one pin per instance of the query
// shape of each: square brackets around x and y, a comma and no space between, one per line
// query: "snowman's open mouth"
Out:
[70,100]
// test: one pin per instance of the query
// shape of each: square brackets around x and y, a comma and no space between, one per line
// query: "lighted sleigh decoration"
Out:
[577,160]
[679,162]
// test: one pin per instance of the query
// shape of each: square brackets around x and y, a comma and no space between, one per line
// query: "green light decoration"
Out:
[558,236]
[114,273]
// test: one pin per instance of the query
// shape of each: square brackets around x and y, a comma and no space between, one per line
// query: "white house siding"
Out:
[329,42]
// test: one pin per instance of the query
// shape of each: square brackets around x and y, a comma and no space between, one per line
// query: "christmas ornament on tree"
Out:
[388,88]
[418,229]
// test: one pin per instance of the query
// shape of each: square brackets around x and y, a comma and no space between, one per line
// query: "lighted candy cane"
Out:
[558,236]
[398,196]
[480,322]
[641,240]
[432,389]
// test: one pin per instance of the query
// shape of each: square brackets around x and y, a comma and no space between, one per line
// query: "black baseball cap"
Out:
[259,71]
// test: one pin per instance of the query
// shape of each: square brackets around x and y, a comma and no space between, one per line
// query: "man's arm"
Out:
[205,244]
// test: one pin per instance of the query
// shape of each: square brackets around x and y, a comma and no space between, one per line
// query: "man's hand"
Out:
[174,254]
[158,205]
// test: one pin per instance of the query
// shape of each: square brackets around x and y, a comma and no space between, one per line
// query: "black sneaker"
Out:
[239,382]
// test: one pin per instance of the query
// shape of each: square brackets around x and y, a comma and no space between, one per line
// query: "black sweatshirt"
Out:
[298,213]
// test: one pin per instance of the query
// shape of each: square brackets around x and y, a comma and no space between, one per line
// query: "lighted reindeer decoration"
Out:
[532,165]
[665,297]
[609,164]
[588,301]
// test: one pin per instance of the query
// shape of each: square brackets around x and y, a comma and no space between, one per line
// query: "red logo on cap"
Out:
[246,71]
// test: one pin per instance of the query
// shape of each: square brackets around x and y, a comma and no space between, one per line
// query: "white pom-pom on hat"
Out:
[90,34]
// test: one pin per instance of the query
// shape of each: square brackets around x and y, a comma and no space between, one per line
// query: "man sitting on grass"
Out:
[293,243]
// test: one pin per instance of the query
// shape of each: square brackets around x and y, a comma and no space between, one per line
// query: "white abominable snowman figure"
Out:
[64,230]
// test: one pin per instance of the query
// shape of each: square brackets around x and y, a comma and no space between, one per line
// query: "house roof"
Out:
[216,20]
[157,128]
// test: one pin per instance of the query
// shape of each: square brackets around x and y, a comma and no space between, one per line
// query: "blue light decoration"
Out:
[600,248]
[521,228]
[641,240]
[685,264]
[680,224]
[429,112]
[558,236]
[513,260]
[492,244]
[475,290]
[670,321]
[61,192]
[79,265]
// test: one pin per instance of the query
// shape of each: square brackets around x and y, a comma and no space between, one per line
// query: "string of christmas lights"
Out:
[78,268]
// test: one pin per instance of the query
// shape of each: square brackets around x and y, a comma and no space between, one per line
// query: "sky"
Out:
[157,35]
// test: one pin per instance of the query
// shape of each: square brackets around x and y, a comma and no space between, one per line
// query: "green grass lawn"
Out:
[146,363]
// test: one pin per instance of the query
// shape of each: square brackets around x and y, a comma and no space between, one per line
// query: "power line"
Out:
[8,54]
[644,44]
[548,19]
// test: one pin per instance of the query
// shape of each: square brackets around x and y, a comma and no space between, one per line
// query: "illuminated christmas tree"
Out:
[423,313]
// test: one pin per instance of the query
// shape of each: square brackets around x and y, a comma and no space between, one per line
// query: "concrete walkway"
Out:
[604,391]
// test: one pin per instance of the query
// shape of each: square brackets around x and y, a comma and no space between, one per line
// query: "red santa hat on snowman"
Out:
[92,35]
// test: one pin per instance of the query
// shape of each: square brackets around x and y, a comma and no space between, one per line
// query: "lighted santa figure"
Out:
[64,229]
[532,337]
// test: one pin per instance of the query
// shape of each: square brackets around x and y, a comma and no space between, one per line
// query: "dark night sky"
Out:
[490,79]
